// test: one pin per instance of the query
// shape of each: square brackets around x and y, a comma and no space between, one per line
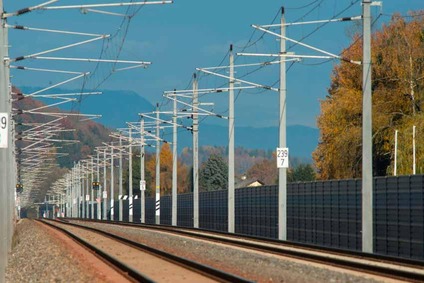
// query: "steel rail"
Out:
[206,270]
[240,241]
[122,268]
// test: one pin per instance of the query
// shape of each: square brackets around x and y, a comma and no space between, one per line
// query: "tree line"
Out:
[213,172]
[398,92]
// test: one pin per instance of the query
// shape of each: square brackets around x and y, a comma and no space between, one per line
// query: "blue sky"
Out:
[178,38]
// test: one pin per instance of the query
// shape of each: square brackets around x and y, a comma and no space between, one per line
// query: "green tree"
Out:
[301,173]
[213,174]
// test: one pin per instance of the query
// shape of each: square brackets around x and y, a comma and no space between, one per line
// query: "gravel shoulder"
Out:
[40,254]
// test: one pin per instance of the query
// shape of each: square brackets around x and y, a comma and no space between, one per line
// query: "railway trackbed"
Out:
[382,266]
[139,262]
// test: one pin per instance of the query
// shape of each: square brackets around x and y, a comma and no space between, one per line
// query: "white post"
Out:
[157,213]
[282,172]
[4,176]
[195,154]
[174,166]
[367,159]
[413,151]
[87,202]
[79,190]
[130,181]
[104,186]
[91,187]
[112,184]
[68,190]
[121,208]
[73,192]
[395,163]
[231,129]
[99,196]
[142,174]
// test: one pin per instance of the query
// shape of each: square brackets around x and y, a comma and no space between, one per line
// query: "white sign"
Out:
[104,194]
[282,157]
[142,185]
[4,130]
[87,197]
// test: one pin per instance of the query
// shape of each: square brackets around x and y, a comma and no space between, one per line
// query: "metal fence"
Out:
[326,213]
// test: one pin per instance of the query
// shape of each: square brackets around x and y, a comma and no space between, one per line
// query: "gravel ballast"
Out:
[254,266]
[37,256]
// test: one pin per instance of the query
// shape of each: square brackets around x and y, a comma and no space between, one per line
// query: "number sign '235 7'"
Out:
[4,124]
[282,157]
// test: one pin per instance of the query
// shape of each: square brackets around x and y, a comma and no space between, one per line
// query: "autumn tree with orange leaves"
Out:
[166,172]
[398,92]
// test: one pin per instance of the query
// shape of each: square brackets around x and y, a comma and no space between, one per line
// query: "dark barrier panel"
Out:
[165,210]
[213,210]
[137,211]
[322,213]
[185,210]
[95,210]
[256,211]
[150,210]
[399,219]
[325,213]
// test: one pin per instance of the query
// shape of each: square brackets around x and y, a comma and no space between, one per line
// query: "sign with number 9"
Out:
[4,132]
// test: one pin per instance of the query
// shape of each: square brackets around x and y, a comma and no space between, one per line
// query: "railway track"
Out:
[132,259]
[383,266]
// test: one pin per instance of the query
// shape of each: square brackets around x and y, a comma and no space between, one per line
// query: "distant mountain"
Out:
[115,106]
[118,107]
[301,140]
[89,133]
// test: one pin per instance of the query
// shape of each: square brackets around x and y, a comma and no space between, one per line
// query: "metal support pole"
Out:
[74,193]
[4,176]
[396,146]
[63,196]
[46,211]
[231,129]
[73,199]
[195,154]
[87,196]
[69,205]
[142,172]
[99,197]
[130,181]
[413,151]
[157,215]
[174,165]
[82,182]
[79,190]
[10,157]
[91,188]
[62,205]
[282,172]
[121,208]
[112,186]
[367,159]
[104,217]
[53,202]
[67,197]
